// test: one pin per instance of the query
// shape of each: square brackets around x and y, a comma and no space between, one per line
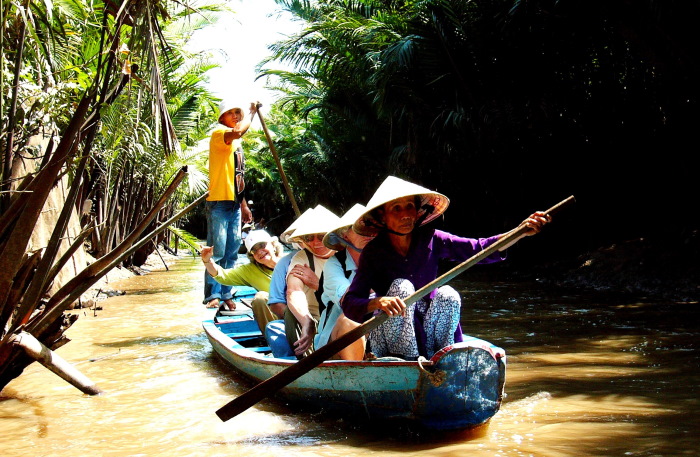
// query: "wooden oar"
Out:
[278,381]
[287,188]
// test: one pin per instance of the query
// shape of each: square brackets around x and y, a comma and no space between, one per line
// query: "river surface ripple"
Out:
[588,374]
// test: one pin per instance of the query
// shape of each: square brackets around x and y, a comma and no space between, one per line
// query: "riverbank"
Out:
[103,289]
[666,269]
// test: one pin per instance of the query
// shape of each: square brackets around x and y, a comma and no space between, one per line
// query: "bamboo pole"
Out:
[165,264]
[88,281]
[54,362]
[287,188]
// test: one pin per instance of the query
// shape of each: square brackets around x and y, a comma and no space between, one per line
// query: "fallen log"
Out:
[54,362]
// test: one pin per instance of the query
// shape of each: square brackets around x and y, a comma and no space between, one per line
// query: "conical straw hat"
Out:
[432,204]
[284,237]
[330,240]
[319,221]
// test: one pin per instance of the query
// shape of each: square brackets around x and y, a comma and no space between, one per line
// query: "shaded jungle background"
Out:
[506,107]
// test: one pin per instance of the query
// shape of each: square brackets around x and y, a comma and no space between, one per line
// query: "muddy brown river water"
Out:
[589,374]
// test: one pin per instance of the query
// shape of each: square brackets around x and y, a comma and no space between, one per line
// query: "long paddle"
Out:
[281,379]
[287,188]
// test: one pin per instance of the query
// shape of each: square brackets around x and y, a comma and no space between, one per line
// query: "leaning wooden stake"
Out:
[54,362]
[279,164]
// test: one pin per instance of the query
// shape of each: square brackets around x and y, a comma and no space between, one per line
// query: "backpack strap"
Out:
[342,258]
[239,160]
[319,291]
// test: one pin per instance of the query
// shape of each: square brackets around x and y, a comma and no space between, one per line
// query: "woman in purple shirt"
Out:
[402,258]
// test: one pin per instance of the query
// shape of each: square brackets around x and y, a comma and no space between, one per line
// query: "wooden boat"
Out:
[460,387]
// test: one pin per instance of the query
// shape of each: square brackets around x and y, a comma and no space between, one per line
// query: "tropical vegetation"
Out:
[100,98]
[506,106]
[503,105]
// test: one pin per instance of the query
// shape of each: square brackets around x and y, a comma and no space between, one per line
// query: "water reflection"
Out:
[593,374]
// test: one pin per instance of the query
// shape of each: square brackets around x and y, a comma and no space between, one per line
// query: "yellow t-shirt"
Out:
[222,167]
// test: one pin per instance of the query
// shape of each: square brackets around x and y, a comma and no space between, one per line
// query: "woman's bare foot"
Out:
[213,303]
[231,304]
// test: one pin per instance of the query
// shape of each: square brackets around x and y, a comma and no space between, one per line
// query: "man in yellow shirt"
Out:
[226,205]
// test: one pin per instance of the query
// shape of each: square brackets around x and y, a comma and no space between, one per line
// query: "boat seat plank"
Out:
[238,335]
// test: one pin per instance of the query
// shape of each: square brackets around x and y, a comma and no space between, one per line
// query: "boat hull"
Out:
[460,387]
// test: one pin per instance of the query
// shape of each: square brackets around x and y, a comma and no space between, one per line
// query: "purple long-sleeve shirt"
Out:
[380,264]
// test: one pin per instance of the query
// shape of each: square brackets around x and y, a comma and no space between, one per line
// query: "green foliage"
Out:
[487,101]
[147,133]
[184,240]
[107,86]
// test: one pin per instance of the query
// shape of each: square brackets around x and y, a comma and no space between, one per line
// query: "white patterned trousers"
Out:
[397,335]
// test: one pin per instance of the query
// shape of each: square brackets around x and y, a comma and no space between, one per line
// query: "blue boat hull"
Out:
[460,387]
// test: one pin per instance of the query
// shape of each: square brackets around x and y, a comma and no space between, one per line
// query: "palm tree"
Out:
[75,52]
[477,98]
[329,94]
[138,162]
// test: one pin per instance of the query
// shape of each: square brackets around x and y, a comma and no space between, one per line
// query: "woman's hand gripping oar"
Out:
[289,375]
